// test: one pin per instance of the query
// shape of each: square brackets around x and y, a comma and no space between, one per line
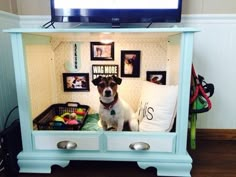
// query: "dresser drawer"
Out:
[49,140]
[134,141]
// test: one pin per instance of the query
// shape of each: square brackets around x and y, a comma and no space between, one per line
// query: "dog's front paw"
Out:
[133,123]
[111,129]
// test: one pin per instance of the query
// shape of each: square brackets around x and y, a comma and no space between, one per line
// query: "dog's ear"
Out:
[97,80]
[117,79]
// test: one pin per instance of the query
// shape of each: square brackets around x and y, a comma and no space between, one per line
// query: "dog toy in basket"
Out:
[73,118]
[69,116]
[113,111]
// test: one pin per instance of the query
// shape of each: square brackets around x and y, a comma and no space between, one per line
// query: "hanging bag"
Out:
[200,94]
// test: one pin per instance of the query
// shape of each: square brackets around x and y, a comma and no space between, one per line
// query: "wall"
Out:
[209,6]
[8,6]
[40,66]
[8,98]
[33,7]
[214,58]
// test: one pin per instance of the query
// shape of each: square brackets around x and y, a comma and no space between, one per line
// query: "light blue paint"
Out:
[175,163]
[101,30]
[22,88]
[8,98]
[184,92]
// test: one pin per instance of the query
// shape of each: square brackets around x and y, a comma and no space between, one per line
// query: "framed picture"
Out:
[130,63]
[158,77]
[76,82]
[101,51]
[104,70]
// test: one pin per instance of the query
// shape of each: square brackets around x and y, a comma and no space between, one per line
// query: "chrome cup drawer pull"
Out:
[139,146]
[66,145]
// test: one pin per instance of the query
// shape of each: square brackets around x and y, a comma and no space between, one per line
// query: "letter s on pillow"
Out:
[157,107]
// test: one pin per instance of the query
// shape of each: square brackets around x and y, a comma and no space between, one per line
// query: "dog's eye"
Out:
[112,84]
[102,85]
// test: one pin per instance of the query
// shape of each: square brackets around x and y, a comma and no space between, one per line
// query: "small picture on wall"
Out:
[158,77]
[76,82]
[130,63]
[100,51]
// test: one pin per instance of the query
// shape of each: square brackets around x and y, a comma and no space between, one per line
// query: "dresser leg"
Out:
[168,169]
[39,166]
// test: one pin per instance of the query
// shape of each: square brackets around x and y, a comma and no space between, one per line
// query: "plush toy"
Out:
[80,111]
[72,119]
[59,119]
[72,116]
[72,122]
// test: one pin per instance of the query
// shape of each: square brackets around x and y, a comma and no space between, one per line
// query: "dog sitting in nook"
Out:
[114,112]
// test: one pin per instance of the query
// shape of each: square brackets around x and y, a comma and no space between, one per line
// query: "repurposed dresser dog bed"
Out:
[32,48]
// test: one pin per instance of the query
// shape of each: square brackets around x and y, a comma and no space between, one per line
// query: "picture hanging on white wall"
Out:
[101,51]
[130,63]
[76,82]
[157,77]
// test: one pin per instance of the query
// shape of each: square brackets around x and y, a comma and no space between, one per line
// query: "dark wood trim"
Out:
[216,134]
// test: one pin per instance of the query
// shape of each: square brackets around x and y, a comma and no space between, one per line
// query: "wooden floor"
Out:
[214,159]
[210,159]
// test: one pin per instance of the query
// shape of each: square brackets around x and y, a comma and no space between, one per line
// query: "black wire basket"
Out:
[47,119]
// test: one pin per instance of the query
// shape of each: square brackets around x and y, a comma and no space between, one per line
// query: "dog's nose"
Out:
[107,93]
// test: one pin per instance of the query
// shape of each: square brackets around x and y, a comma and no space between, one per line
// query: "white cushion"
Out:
[157,107]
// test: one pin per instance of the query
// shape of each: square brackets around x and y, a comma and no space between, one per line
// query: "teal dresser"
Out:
[39,58]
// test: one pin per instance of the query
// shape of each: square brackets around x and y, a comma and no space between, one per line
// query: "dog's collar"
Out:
[108,106]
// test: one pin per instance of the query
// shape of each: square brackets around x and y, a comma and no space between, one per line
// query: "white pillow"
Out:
[157,107]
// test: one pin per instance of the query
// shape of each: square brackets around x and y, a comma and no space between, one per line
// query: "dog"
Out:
[113,111]
[128,66]
[78,82]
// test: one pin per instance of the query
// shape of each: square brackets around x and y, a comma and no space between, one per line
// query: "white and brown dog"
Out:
[113,111]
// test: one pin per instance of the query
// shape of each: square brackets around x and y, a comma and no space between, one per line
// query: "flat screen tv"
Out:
[116,11]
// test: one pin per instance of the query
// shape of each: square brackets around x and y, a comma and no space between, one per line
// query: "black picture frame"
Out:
[76,82]
[104,70]
[130,63]
[157,77]
[106,50]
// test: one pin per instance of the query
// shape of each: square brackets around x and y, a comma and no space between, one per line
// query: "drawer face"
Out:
[48,140]
[158,142]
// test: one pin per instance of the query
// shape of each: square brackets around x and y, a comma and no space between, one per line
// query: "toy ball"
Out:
[66,114]
[79,117]
[59,119]
[72,122]
[57,124]
[73,116]
[80,111]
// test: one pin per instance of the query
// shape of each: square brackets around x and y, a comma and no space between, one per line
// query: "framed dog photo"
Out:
[130,63]
[157,77]
[101,51]
[76,82]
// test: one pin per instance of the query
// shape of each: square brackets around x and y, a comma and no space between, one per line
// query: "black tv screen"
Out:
[116,11]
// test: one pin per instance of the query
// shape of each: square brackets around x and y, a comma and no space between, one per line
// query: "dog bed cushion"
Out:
[91,123]
[157,107]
